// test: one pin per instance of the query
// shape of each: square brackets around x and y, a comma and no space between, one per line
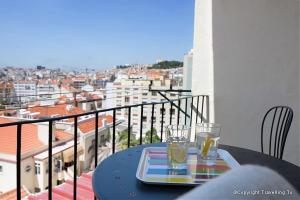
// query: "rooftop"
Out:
[30,138]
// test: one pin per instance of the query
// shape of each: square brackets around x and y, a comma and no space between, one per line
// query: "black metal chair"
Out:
[280,119]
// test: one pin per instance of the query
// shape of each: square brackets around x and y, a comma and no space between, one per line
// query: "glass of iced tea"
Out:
[207,140]
[178,139]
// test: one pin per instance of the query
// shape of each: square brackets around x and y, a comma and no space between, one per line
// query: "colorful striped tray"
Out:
[153,168]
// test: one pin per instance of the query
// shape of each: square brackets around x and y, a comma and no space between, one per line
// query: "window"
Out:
[58,165]
[37,167]
[144,118]
[172,111]
[92,147]
[58,182]
[102,139]
[154,93]
[37,190]
[154,119]
[28,168]
[162,111]
[1,169]
[145,93]
[99,104]
[92,107]
[127,99]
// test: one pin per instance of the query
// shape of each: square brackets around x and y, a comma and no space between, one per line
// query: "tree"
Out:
[167,65]
[147,138]
[122,140]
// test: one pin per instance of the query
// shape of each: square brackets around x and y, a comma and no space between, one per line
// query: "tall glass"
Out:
[178,139]
[207,141]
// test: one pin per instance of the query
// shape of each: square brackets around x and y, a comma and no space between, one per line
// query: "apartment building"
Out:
[35,90]
[78,83]
[34,156]
[135,91]
[86,127]
[26,90]
[7,92]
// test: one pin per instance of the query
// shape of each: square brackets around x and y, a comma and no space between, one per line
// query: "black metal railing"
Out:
[182,115]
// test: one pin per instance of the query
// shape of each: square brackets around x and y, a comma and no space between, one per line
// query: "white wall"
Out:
[8,176]
[27,177]
[187,70]
[256,66]
[202,72]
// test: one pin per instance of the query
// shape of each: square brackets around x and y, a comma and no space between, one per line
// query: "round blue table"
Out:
[115,179]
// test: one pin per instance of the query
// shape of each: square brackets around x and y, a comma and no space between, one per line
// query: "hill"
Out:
[167,65]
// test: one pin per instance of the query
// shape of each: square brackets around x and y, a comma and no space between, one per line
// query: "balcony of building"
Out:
[45,157]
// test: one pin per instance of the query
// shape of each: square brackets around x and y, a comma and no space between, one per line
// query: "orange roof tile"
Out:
[89,125]
[8,138]
[29,138]
[61,135]
[61,110]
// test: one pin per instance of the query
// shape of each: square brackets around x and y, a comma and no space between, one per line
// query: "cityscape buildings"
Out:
[34,94]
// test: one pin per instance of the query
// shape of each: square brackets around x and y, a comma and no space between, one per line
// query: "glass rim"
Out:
[208,125]
[172,126]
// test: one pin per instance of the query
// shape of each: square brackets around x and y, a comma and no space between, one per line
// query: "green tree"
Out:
[147,138]
[122,140]
[167,65]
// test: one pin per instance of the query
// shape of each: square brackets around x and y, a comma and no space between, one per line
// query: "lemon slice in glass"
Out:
[177,153]
[206,146]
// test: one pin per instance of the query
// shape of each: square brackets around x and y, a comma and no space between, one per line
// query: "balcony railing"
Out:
[188,108]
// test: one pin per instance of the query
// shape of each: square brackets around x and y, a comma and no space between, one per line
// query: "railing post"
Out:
[162,121]
[129,116]
[178,112]
[171,113]
[186,101]
[207,108]
[19,130]
[191,118]
[152,113]
[75,158]
[114,131]
[50,161]
[141,123]
[96,138]
[202,109]
[197,113]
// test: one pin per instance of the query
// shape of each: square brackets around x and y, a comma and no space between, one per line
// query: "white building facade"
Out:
[135,91]
[246,58]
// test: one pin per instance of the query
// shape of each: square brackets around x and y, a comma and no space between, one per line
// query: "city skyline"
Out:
[94,34]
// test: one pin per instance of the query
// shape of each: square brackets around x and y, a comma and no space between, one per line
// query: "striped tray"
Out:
[153,168]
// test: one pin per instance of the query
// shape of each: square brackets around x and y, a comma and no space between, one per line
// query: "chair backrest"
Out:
[280,119]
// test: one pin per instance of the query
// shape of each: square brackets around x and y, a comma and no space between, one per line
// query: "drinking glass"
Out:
[207,140]
[178,139]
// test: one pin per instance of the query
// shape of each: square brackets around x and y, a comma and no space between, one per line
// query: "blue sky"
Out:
[93,33]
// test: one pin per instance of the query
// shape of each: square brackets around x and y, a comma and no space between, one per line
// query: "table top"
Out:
[115,178]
